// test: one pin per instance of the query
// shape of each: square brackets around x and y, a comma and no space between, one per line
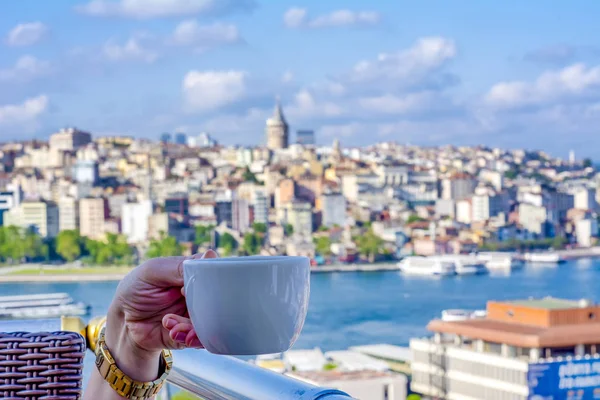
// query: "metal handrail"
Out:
[212,377]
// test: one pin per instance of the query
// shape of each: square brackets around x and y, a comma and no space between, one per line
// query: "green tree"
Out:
[511,174]
[114,250]
[203,234]
[414,218]
[323,228]
[259,227]
[227,243]
[252,243]
[68,245]
[587,162]
[559,242]
[369,245]
[165,246]
[12,247]
[248,176]
[323,245]
[288,229]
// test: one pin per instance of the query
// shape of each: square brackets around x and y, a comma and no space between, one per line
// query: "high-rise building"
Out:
[180,138]
[42,216]
[202,140]
[177,204]
[165,138]
[92,212]
[68,214]
[333,208]
[305,137]
[458,187]
[585,198]
[240,215]
[86,172]
[134,220]
[10,198]
[277,130]
[69,139]
[223,212]
[299,214]
[523,349]
[261,208]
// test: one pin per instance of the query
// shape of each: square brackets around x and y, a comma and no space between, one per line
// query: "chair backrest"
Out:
[46,365]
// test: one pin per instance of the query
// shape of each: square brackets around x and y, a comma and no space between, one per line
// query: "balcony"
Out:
[209,376]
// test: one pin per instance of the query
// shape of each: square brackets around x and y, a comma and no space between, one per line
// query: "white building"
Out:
[86,172]
[68,214]
[494,178]
[69,139]
[261,208]
[299,215]
[533,218]
[202,140]
[458,187]
[585,198]
[487,204]
[464,212]
[92,212]
[586,231]
[333,208]
[39,215]
[240,215]
[134,220]
[10,198]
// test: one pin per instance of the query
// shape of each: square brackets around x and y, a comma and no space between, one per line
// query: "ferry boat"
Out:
[499,261]
[51,305]
[543,258]
[464,264]
[426,266]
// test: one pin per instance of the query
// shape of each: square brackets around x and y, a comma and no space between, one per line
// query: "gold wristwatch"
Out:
[121,383]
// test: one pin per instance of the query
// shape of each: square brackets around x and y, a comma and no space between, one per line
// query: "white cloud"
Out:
[298,18]
[287,77]
[145,9]
[25,69]
[131,50]
[344,130]
[394,104]
[573,82]
[305,106]
[24,115]
[210,90]
[27,34]
[425,56]
[191,33]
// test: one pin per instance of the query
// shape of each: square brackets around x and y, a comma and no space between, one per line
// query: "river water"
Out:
[355,308]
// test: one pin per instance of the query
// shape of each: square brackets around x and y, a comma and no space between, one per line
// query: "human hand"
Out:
[149,314]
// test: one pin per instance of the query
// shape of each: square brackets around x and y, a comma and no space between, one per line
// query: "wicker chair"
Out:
[44,366]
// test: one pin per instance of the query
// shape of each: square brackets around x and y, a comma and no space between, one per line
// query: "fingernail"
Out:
[180,337]
[170,323]
[195,343]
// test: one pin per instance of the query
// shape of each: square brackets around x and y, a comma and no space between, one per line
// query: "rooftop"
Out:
[322,377]
[548,303]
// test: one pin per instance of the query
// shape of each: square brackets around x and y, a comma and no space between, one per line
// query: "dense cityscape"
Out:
[116,200]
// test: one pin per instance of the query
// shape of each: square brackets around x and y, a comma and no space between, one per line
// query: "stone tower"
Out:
[277,129]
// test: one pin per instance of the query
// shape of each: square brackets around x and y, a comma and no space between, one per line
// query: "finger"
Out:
[191,340]
[168,271]
[210,254]
[170,320]
[185,334]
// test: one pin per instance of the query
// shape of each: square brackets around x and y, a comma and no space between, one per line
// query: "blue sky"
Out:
[510,73]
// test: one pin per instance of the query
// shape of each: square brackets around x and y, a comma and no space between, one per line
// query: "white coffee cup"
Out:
[247,305]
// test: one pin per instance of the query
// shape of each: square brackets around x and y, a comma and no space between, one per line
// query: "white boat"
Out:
[543,258]
[426,266]
[499,261]
[464,264]
[52,305]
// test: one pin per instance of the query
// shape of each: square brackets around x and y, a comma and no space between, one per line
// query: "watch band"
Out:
[123,384]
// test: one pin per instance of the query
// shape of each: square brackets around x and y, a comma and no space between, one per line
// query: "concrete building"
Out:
[333,208]
[299,215]
[487,204]
[69,139]
[224,212]
[10,198]
[240,215]
[68,214]
[529,349]
[178,204]
[202,140]
[134,220]
[464,211]
[533,218]
[261,208]
[306,137]
[392,174]
[277,130]
[458,187]
[86,172]
[585,198]
[180,138]
[42,216]
[92,213]
[285,192]
[586,230]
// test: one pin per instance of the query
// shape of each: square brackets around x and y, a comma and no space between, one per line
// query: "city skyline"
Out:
[414,73]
